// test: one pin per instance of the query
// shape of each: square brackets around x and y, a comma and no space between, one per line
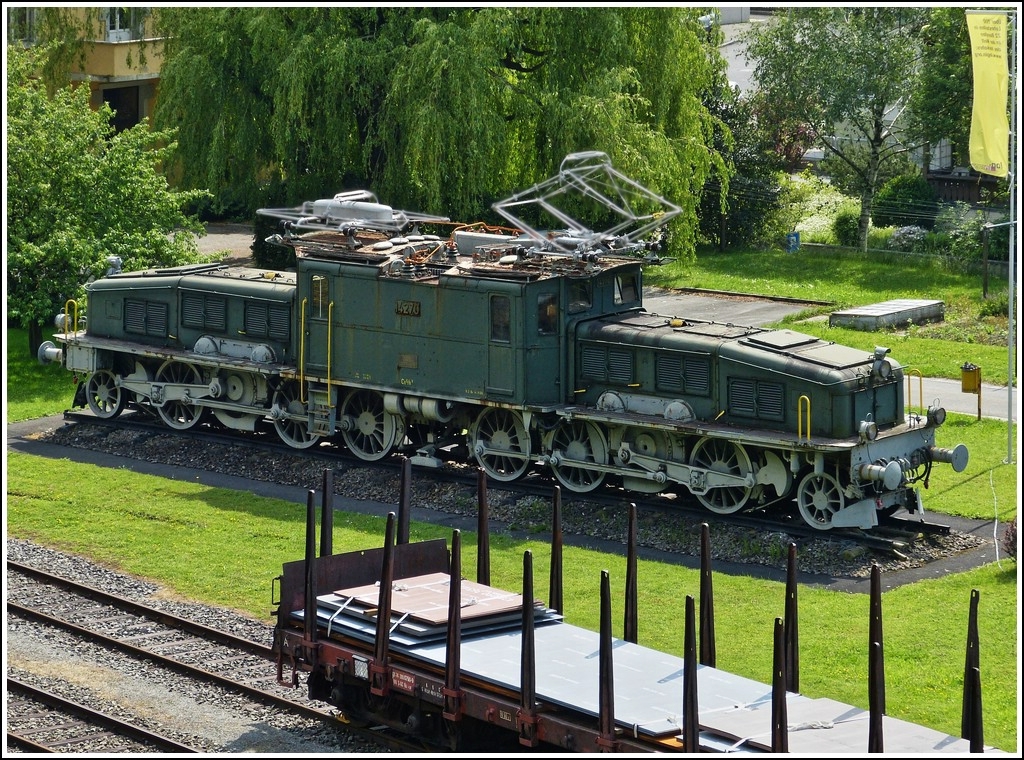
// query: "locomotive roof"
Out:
[470,252]
[197,276]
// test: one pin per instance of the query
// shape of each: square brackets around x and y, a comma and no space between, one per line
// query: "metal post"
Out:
[379,685]
[780,713]
[483,547]
[971,662]
[691,715]
[791,626]
[404,502]
[707,602]
[606,680]
[452,708]
[528,662]
[327,515]
[309,611]
[555,581]
[875,632]
[629,625]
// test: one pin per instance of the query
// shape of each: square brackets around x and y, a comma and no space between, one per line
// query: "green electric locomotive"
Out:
[512,347]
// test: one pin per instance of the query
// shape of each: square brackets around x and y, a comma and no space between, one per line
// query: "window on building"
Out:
[21,25]
[124,24]
[124,101]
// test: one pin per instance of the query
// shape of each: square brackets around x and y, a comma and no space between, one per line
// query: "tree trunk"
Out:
[35,338]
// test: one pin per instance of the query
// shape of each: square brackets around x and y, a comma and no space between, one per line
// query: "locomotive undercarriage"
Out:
[581,450]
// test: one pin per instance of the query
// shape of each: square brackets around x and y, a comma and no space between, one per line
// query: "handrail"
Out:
[330,322]
[799,417]
[302,351]
[910,395]
[67,313]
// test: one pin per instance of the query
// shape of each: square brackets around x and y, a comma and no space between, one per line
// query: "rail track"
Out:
[892,536]
[231,662]
[42,721]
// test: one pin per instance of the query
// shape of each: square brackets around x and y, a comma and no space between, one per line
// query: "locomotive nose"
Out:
[957,456]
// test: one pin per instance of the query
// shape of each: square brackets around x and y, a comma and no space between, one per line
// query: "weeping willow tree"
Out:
[441,110]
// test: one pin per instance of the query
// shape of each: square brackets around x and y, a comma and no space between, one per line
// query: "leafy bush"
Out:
[1009,542]
[879,237]
[963,227]
[819,208]
[999,240]
[846,226]
[936,244]
[905,200]
[997,306]
[907,239]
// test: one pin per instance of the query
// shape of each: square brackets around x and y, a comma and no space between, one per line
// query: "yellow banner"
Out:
[990,129]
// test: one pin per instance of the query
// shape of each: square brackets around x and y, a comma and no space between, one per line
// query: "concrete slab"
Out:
[889,314]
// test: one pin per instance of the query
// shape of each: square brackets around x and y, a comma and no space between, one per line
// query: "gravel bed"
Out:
[829,556]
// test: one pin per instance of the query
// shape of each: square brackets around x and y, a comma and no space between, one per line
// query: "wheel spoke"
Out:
[573,446]
[106,398]
[729,458]
[501,443]
[180,414]
[369,430]
[291,419]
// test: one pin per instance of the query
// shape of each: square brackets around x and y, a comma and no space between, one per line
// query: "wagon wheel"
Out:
[501,443]
[574,445]
[106,398]
[369,430]
[819,497]
[180,414]
[291,418]
[718,455]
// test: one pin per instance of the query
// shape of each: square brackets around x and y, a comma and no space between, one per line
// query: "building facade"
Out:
[118,56]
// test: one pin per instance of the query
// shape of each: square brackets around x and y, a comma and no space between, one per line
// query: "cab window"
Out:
[625,290]
[319,297]
[547,313]
[500,319]
[580,296]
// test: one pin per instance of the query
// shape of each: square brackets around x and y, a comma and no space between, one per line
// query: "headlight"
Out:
[936,416]
[881,366]
[868,430]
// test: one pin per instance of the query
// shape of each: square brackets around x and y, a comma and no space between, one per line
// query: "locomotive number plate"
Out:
[407,308]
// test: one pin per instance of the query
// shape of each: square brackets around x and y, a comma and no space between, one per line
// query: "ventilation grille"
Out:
[146,318]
